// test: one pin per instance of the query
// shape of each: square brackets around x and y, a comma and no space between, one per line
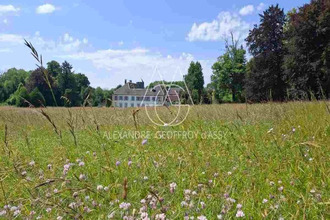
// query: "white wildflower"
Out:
[161,216]
[240,214]
[124,205]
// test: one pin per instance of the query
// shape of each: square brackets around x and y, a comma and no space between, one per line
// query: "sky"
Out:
[113,40]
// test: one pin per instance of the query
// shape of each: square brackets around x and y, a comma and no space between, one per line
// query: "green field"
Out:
[261,161]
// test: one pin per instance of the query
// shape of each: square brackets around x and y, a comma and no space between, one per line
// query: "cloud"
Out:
[67,38]
[261,6]
[104,67]
[45,9]
[5,21]
[120,43]
[246,10]
[114,65]
[65,43]
[11,38]
[8,9]
[219,29]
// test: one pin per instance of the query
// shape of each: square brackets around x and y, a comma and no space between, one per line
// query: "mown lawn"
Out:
[261,161]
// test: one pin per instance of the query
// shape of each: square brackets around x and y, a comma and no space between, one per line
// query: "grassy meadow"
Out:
[260,161]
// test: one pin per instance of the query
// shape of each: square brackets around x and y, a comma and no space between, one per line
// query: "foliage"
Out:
[178,83]
[20,98]
[36,98]
[54,68]
[307,68]
[37,80]
[265,79]
[195,80]
[9,82]
[229,72]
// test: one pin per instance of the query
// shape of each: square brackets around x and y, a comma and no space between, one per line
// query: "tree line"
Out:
[62,87]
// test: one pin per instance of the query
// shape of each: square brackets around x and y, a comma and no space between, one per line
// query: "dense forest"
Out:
[290,60]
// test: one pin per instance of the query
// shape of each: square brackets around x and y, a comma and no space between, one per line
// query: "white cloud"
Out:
[121,43]
[219,28]
[5,21]
[11,38]
[261,6]
[45,9]
[66,43]
[7,9]
[67,38]
[246,10]
[135,64]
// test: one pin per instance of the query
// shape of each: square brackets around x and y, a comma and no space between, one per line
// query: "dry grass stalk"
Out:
[35,54]
[135,114]
[125,189]
[57,131]
[70,123]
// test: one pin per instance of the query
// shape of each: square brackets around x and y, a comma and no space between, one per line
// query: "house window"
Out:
[153,98]
[138,105]
[147,98]
[133,98]
[126,98]
[120,105]
[120,97]
[125,105]
[132,104]
[116,97]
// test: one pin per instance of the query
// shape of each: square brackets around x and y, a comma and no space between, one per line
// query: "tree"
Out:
[229,72]
[178,83]
[9,82]
[53,68]
[98,97]
[68,86]
[66,78]
[37,79]
[265,79]
[195,80]
[81,81]
[108,96]
[20,97]
[307,62]
[36,98]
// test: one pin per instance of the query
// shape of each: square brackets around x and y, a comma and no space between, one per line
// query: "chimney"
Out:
[125,81]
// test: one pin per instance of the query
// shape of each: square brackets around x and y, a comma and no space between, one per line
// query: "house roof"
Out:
[130,89]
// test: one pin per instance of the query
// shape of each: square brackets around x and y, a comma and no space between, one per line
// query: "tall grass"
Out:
[272,159]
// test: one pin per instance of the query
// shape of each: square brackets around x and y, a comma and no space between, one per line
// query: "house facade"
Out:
[135,95]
